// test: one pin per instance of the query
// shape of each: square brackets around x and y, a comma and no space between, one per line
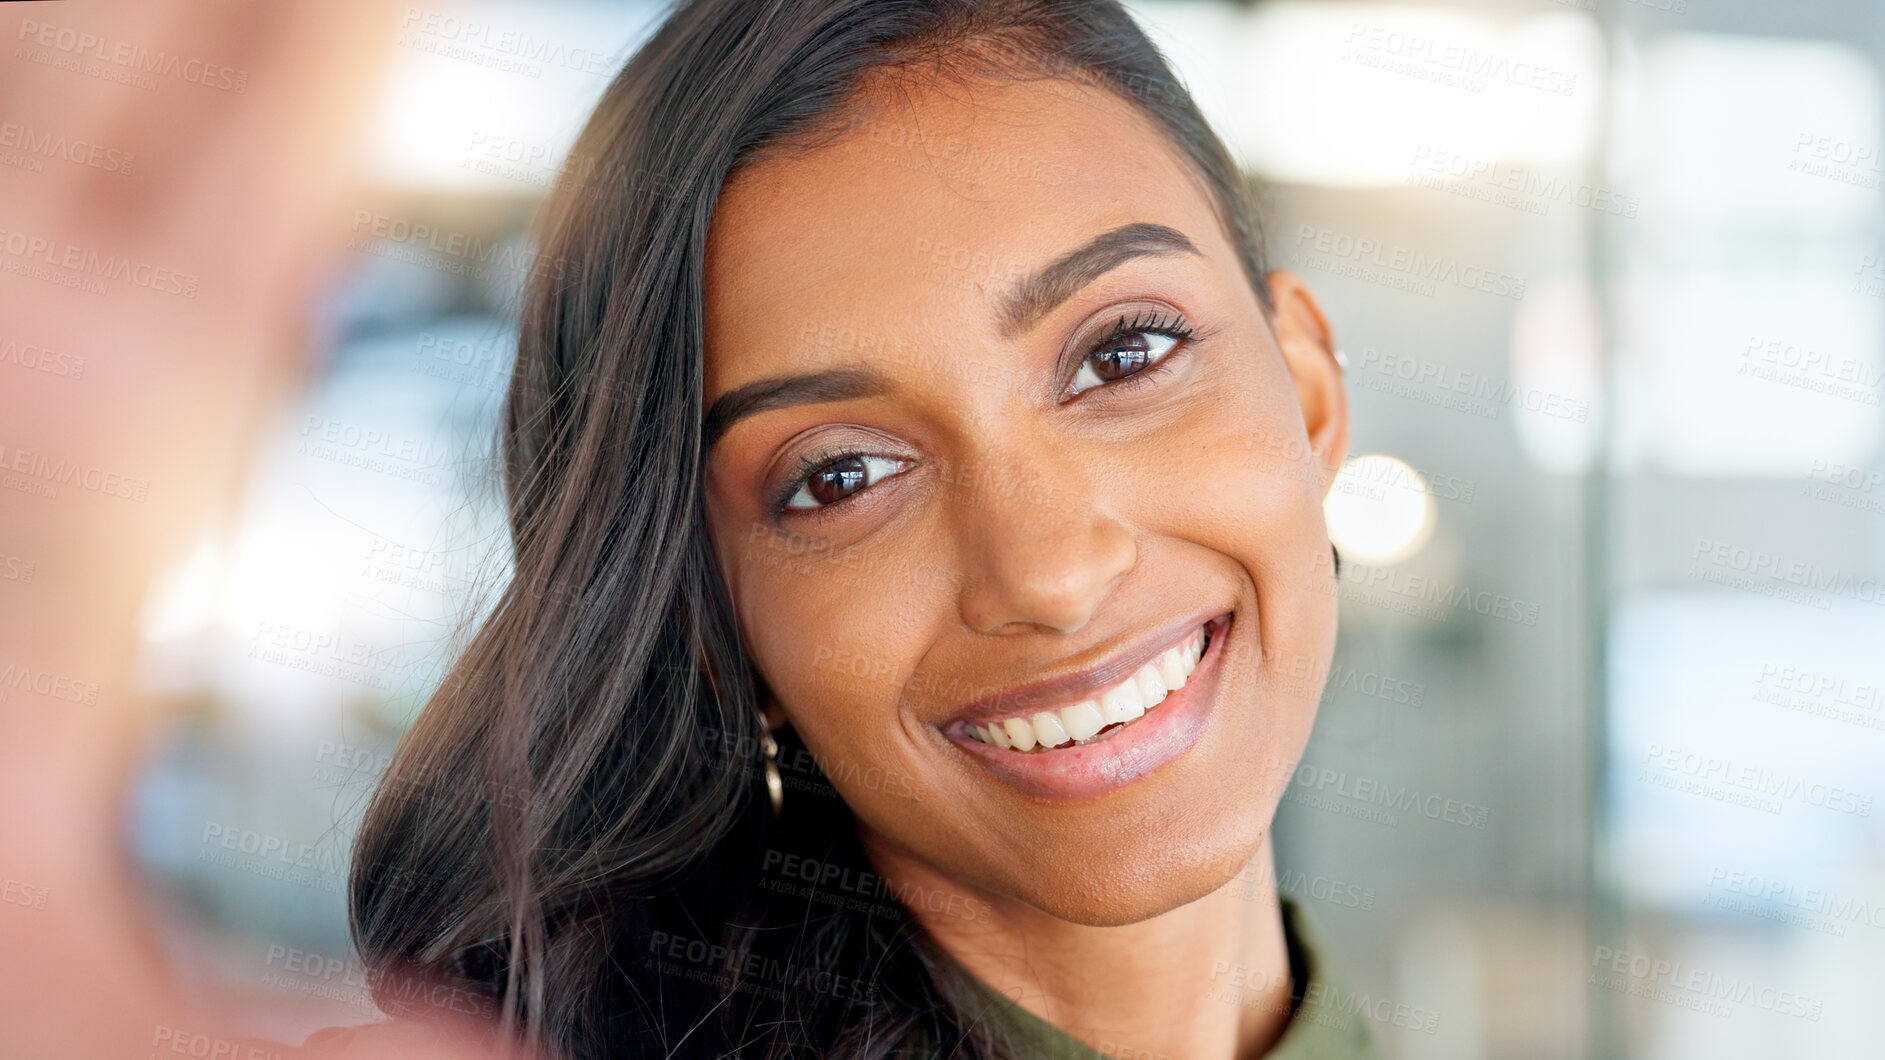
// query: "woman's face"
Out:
[1032,426]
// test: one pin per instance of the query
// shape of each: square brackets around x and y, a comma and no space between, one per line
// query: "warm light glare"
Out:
[1379,510]
[1372,94]
[472,83]
[182,601]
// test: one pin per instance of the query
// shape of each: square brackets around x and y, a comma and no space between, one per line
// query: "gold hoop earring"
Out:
[775,787]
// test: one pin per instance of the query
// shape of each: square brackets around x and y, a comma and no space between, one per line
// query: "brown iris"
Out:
[1121,358]
[836,480]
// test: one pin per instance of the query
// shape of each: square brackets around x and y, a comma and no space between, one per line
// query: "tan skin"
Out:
[1020,532]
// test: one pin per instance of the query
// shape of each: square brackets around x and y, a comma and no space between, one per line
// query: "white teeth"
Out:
[1171,669]
[1048,730]
[1020,733]
[1122,703]
[1151,685]
[1082,720]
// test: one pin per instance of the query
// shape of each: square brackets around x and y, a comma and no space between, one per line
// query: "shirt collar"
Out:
[1320,1027]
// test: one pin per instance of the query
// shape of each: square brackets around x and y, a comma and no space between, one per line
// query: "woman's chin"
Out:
[1150,886]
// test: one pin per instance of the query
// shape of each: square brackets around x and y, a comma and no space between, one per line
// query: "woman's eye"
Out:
[1127,353]
[836,480]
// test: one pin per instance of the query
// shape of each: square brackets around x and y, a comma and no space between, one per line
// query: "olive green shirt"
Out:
[1323,1022]
[1321,1026]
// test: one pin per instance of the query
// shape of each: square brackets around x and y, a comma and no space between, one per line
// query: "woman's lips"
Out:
[1105,710]
[1077,771]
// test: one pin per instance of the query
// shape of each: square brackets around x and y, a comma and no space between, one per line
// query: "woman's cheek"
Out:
[1249,486]
[842,653]
[1257,500]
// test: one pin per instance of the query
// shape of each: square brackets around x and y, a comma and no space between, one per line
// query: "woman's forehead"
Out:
[926,209]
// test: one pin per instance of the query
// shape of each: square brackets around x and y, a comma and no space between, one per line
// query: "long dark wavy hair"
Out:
[575,832]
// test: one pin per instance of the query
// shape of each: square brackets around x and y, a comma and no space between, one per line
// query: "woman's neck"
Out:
[1207,980]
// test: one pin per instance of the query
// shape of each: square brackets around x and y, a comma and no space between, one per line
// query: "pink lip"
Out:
[1079,772]
[1071,689]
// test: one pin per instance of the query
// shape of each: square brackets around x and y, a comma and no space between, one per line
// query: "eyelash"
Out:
[1174,327]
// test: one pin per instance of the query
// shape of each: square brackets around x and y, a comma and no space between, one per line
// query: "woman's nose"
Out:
[1038,537]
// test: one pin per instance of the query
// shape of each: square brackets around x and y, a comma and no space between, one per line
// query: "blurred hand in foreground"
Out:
[171,193]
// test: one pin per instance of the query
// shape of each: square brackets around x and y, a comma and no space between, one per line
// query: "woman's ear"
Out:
[1309,352]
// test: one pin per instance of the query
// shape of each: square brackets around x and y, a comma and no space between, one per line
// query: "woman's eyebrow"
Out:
[1036,295]
[1022,306]
[785,391]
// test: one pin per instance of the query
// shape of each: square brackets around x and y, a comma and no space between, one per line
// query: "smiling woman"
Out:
[908,385]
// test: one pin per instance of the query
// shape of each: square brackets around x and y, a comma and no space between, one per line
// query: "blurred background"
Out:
[1596,768]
